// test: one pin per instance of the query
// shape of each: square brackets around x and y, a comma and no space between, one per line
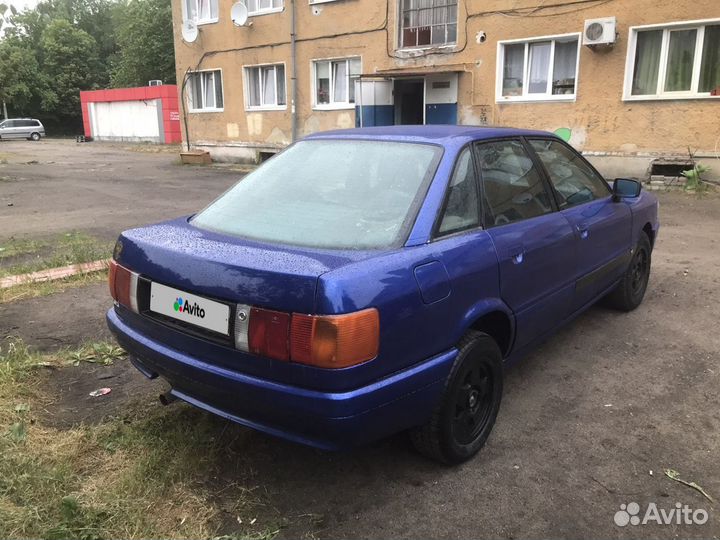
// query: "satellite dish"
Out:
[189,31]
[239,14]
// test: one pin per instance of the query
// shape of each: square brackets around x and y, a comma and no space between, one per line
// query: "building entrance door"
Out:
[409,97]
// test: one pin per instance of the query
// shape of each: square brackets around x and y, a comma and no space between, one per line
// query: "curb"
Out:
[54,273]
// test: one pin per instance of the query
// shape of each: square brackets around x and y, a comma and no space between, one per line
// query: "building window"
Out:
[335,82]
[205,91]
[259,7]
[201,11]
[540,69]
[265,87]
[681,60]
[426,23]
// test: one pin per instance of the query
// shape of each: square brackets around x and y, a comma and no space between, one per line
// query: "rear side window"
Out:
[513,189]
[461,209]
[574,181]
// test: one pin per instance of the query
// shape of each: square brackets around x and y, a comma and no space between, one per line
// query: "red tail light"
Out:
[328,341]
[123,286]
[269,333]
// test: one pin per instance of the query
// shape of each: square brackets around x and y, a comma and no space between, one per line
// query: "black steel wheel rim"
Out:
[639,271]
[472,404]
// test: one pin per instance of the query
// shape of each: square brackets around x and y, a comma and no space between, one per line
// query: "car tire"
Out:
[35,136]
[463,419]
[630,291]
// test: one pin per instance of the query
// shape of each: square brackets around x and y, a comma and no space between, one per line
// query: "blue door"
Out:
[535,244]
[601,226]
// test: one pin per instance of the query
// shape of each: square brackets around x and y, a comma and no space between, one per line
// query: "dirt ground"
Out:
[588,421]
[59,185]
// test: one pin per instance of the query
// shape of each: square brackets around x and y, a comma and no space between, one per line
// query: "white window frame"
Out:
[311,2]
[333,105]
[197,20]
[527,97]
[661,94]
[246,87]
[191,105]
[266,11]
[409,48]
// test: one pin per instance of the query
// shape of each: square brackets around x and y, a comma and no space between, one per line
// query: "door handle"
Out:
[517,258]
[583,229]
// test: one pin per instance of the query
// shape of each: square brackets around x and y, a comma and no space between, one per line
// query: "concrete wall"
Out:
[600,121]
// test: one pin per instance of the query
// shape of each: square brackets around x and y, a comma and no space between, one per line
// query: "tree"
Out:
[145,41]
[20,80]
[71,64]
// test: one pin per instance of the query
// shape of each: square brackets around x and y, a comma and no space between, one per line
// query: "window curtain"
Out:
[340,81]
[647,62]
[253,87]
[355,70]
[322,82]
[513,69]
[539,67]
[195,91]
[208,90]
[191,9]
[681,56]
[217,83]
[204,11]
[564,67]
[710,66]
[268,82]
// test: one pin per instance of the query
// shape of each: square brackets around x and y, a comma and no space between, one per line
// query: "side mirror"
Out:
[624,188]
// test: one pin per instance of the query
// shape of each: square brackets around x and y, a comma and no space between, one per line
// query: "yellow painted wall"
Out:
[600,120]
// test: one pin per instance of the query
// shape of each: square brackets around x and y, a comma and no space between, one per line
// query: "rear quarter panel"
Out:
[411,329]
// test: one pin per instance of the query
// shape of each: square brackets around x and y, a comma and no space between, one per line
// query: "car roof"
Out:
[437,134]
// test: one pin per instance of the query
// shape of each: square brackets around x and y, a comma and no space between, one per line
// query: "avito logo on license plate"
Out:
[189,308]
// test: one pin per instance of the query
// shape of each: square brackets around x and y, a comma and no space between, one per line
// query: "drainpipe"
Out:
[293,78]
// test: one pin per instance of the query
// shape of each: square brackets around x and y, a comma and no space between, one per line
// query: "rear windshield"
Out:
[328,193]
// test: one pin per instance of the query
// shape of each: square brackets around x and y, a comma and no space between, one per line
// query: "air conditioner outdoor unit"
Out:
[600,31]
[155,82]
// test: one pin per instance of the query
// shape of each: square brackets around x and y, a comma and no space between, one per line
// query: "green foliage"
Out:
[20,78]
[71,63]
[694,177]
[145,40]
[50,53]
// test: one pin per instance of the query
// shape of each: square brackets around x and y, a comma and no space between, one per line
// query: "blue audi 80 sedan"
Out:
[369,281]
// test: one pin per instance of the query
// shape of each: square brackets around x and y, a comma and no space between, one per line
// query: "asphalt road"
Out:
[587,424]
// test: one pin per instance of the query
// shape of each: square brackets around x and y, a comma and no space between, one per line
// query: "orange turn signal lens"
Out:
[335,341]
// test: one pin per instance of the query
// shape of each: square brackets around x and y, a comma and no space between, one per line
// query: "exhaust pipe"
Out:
[167,398]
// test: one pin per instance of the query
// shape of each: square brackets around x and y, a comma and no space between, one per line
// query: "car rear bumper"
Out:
[327,420]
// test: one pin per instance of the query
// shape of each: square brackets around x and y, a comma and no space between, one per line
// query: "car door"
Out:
[9,128]
[602,227]
[535,245]
[24,128]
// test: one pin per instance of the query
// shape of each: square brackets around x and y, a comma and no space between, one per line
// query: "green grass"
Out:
[20,256]
[45,288]
[142,474]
